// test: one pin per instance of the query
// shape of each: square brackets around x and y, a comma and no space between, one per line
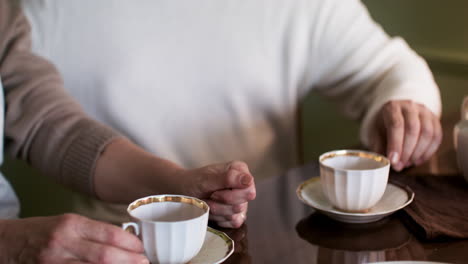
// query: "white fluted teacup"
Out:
[353,180]
[172,227]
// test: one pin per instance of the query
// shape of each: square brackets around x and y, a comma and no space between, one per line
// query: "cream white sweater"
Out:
[206,81]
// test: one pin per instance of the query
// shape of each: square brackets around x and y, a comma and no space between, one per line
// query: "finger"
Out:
[221,218]
[426,136]
[236,222]
[394,126]
[233,174]
[437,140]
[110,235]
[234,196]
[239,166]
[238,175]
[99,253]
[412,131]
[217,208]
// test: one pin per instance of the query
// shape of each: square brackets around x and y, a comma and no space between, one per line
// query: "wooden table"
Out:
[280,229]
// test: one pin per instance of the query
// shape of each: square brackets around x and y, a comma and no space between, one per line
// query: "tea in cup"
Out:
[172,227]
[353,180]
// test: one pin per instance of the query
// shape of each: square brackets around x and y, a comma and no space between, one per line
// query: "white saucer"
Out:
[217,248]
[395,198]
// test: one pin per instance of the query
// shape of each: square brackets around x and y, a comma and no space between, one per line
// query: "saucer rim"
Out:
[314,179]
[229,242]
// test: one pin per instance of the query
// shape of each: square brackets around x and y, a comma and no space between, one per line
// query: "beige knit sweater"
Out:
[43,124]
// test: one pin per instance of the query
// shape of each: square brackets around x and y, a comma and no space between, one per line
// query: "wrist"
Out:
[183,182]
[163,176]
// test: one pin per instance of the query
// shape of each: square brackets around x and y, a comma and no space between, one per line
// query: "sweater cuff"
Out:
[80,159]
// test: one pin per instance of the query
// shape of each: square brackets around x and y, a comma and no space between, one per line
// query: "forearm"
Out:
[125,172]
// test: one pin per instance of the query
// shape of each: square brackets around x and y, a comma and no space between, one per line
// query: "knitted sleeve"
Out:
[43,125]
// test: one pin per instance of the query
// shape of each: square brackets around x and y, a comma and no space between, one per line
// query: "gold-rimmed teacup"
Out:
[353,180]
[172,227]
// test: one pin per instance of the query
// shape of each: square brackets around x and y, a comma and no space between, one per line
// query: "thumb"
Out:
[231,175]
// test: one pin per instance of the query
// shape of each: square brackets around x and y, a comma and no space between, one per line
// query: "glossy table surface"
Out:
[281,229]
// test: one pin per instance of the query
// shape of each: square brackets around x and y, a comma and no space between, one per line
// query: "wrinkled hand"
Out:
[68,238]
[226,187]
[407,132]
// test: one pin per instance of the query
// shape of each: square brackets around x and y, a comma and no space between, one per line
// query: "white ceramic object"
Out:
[353,180]
[461,139]
[172,227]
[217,248]
[394,198]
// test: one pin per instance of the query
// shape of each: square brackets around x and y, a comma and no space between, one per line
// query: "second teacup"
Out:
[353,180]
[172,227]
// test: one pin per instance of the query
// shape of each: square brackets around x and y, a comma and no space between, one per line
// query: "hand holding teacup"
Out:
[406,132]
[172,227]
[164,222]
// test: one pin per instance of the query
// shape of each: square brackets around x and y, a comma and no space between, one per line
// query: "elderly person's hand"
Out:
[67,238]
[227,188]
[407,132]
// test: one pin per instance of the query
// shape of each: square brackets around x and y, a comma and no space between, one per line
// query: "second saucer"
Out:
[395,198]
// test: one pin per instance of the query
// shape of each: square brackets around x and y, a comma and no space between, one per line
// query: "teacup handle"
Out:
[132,228]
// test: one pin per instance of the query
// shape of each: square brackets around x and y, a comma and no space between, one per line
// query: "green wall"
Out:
[435,29]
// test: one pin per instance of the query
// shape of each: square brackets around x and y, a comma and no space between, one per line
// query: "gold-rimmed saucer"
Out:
[216,249]
[395,198]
